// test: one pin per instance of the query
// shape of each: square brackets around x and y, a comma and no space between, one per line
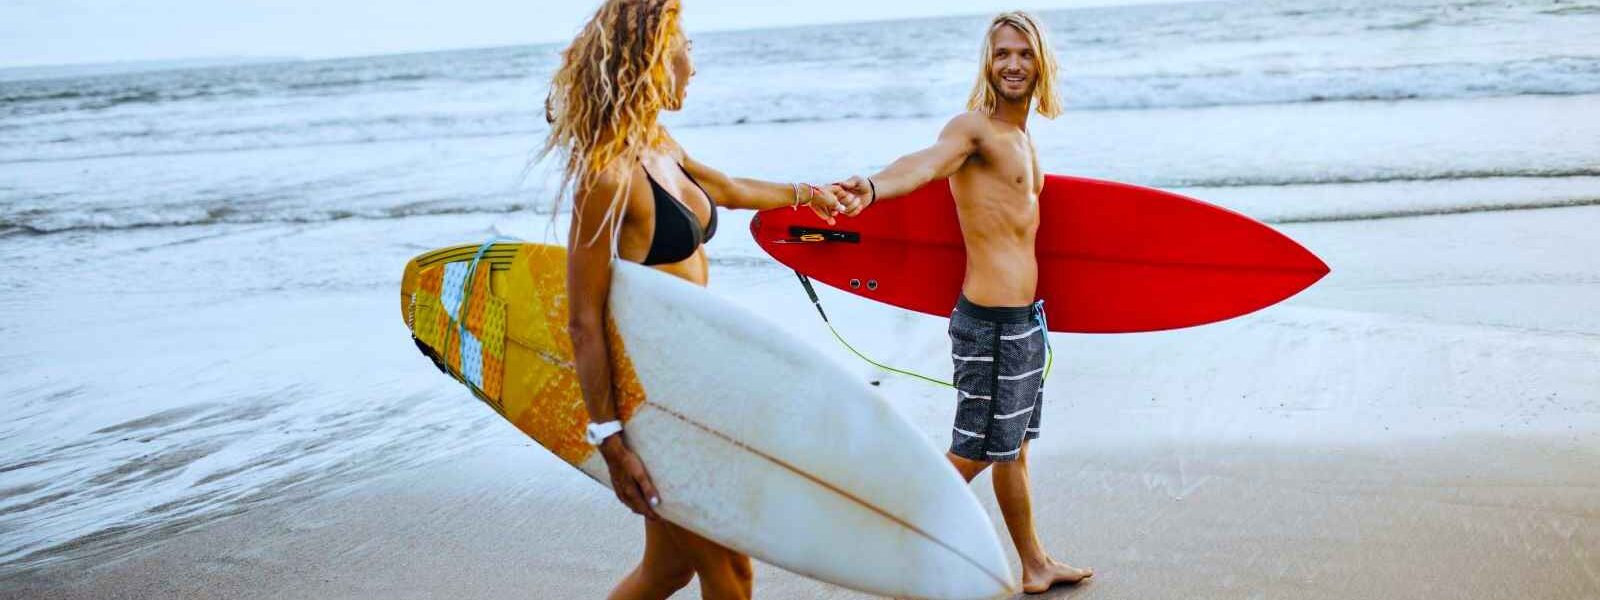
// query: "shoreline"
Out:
[1381,435]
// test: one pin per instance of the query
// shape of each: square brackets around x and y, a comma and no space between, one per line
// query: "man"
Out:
[997,331]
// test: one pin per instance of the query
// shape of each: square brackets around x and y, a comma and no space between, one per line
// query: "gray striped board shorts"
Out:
[999,356]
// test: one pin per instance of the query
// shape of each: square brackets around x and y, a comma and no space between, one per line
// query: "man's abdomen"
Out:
[1006,276]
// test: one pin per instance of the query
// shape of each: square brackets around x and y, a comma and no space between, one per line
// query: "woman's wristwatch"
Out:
[598,432]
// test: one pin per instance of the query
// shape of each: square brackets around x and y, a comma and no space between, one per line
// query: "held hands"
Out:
[860,191]
[825,202]
[628,478]
[832,200]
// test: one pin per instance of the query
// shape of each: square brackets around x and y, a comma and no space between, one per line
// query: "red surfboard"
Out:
[1113,258]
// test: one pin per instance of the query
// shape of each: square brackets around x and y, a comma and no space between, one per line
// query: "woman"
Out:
[639,197]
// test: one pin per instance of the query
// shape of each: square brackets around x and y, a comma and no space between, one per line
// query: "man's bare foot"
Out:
[1039,580]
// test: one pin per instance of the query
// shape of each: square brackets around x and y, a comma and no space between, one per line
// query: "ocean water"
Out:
[200,263]
[380,137]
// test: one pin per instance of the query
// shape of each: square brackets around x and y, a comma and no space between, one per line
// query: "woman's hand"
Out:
[628,477]
[825,201]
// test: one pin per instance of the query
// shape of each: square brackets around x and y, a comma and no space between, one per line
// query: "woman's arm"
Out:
[589,256]
[756,194]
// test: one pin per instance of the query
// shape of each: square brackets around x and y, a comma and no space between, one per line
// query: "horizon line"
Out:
[238,59]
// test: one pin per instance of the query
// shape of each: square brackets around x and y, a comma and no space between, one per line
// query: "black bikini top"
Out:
[678,231]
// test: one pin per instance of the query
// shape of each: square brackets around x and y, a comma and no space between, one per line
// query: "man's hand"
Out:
[860,194]
[628,478]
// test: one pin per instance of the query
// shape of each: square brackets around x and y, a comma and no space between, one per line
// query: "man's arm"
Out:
[957,142]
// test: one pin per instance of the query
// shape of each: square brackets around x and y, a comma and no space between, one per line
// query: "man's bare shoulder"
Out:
[970,124]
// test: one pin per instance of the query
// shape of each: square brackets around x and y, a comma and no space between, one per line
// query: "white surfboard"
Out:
[754,439]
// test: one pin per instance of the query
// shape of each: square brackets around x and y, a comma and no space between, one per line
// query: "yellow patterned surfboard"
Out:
[518,361]
[753,439]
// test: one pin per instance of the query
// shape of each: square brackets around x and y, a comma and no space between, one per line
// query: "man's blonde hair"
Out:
[984,93]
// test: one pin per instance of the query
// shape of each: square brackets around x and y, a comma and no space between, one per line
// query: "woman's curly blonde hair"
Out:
[613,83]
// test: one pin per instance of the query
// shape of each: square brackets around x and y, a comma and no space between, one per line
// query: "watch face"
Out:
[598,432]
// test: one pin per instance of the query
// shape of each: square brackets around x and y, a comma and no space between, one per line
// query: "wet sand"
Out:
[1423,424]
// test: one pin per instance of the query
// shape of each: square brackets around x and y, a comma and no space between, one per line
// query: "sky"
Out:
[55,32]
